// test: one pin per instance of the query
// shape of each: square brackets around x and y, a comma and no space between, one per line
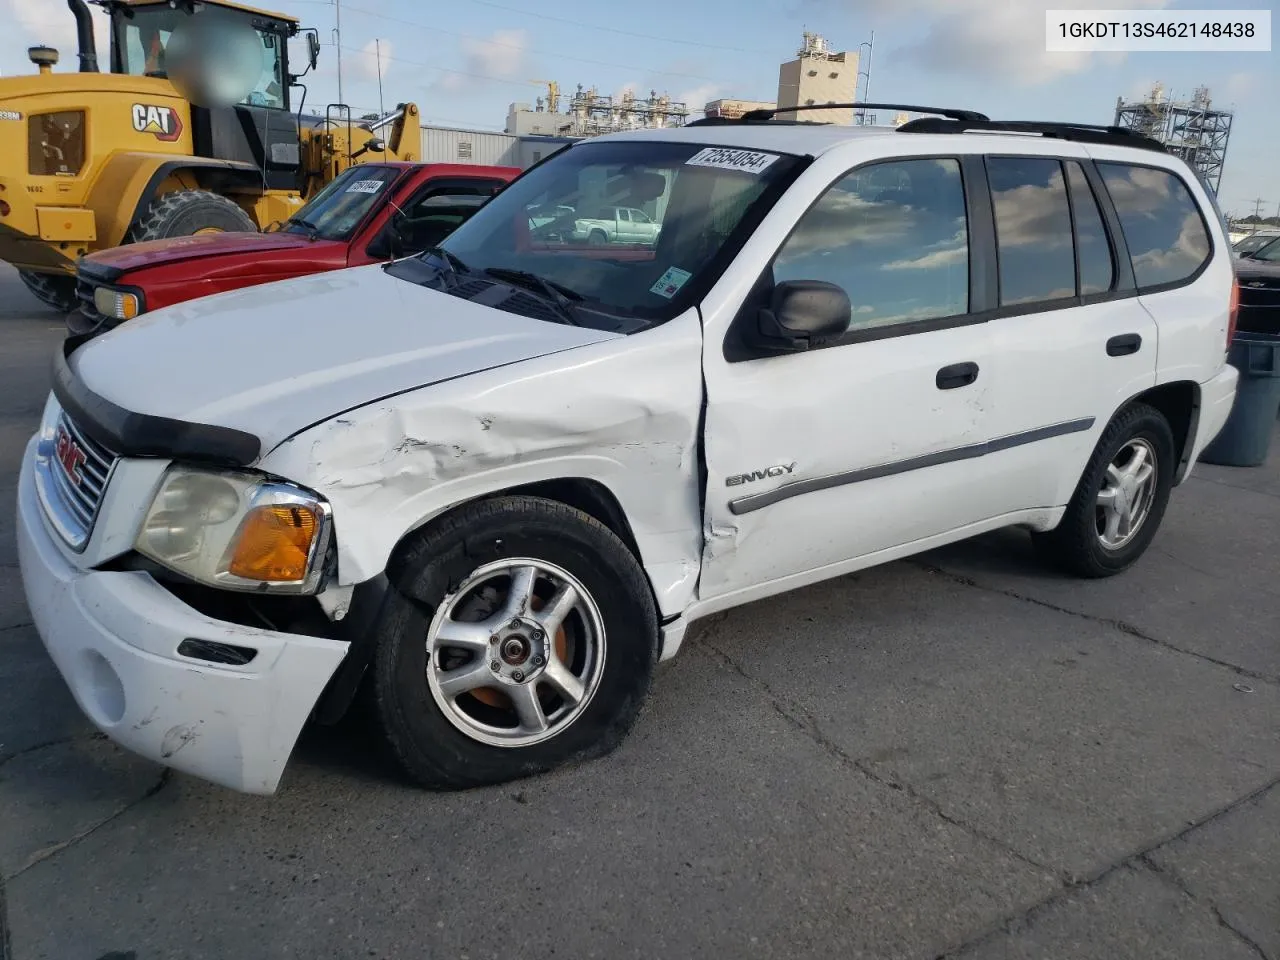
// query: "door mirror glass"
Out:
[313,49]
[803,314]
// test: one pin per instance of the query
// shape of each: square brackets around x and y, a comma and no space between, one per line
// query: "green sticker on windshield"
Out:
[669,283]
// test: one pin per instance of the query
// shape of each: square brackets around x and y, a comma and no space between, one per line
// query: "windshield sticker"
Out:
[669,283]
[365,186]
[725,158]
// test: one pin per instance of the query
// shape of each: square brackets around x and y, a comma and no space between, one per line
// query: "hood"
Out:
[110,264]
[1247,269]
[275,358]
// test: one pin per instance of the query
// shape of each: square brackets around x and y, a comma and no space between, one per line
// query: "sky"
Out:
[464,61]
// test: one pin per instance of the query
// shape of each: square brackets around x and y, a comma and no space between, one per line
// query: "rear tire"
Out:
[185,212]
[597,238]
[53,290]
[1095,538]
[457,654]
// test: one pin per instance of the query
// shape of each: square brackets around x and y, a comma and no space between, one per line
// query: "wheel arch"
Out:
[130,181]
[593,497]
[214,175]
[1179,402]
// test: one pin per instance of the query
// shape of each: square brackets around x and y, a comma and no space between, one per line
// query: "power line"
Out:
[516,46]
[618,30]
[461,73]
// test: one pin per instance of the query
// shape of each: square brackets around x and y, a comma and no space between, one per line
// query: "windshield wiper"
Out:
[306,225]
[557,293]
[455,264]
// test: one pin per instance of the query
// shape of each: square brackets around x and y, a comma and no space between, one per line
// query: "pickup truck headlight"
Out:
[237,531]
[117,304]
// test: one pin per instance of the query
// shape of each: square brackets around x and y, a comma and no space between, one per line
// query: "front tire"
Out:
[1120,500]
[186,212]
[520,635]
[53,290]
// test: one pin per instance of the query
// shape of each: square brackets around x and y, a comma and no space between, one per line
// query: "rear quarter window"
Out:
[1163,227]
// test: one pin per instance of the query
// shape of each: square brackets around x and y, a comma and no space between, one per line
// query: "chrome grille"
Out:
[71,476]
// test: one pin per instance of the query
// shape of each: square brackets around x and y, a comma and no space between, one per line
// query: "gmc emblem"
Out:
[69,455]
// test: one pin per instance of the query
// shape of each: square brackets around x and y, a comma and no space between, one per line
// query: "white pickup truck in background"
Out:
[617,225]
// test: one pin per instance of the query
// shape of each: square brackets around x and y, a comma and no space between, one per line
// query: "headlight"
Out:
[238,531]
[116,304]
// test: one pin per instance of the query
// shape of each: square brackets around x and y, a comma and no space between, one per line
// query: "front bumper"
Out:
[114,638]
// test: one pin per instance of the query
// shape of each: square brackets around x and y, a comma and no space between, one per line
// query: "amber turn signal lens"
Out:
[274,543]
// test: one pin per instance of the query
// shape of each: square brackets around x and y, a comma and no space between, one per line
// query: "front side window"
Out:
[1033,230]
[558,223]
[1162,225]
[429,216]
[336,211]
[894,236]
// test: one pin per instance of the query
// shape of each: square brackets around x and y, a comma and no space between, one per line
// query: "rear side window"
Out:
[1166,234]
[1093,250]
[1033,230]
[894,236]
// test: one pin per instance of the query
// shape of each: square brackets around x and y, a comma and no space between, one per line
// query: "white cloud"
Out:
[503,55]
[698,97]
[364,62]
[990,38]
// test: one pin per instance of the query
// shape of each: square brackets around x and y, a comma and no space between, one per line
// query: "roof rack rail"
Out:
[764,115]
[730,121]
[1078,132]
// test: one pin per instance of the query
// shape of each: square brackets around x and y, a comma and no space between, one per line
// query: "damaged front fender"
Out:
[623,413]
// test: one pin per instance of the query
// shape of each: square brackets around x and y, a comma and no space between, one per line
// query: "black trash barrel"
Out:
[1245,440]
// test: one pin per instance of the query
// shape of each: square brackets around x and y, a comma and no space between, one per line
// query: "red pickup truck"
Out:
[371,212]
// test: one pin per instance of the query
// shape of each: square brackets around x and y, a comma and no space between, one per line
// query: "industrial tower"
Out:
[1190,129]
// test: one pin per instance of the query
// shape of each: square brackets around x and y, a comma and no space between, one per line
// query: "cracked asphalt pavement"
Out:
[963,756]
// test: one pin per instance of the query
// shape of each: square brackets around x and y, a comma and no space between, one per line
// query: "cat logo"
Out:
[161,121]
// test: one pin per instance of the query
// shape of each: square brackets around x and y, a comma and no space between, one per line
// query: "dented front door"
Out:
[821,457]
[874,440]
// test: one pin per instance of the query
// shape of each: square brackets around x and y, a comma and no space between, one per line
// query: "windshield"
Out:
[628,230]
[336,211]
[1270,251]
[142,35]
[1255,243]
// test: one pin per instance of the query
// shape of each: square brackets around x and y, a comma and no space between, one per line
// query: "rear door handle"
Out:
[1124,345]
[957,375]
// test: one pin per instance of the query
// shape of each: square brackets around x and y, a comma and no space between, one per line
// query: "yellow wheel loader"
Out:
[91,160]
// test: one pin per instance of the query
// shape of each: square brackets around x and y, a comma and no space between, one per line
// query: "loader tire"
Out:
[53,290]
[186,212]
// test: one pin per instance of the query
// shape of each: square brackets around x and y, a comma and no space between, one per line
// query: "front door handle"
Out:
[1124,345]
[957,375]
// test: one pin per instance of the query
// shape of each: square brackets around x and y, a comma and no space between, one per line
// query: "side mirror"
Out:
[801,314]
[313,48]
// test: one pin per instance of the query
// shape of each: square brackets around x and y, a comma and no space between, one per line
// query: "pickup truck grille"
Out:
[93,320]
[71,476]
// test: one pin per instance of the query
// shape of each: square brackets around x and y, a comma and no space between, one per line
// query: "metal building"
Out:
[459,145]
[1191,129]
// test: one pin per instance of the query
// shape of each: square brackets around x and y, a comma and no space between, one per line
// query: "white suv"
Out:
[493,484]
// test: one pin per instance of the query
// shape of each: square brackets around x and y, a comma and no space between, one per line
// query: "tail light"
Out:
[1234,312]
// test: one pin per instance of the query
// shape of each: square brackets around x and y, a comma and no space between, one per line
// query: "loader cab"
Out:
[243,112]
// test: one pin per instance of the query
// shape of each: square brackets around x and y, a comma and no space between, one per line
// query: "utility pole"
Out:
[1257,207]
[861,116]
[337,42]
[377,50]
